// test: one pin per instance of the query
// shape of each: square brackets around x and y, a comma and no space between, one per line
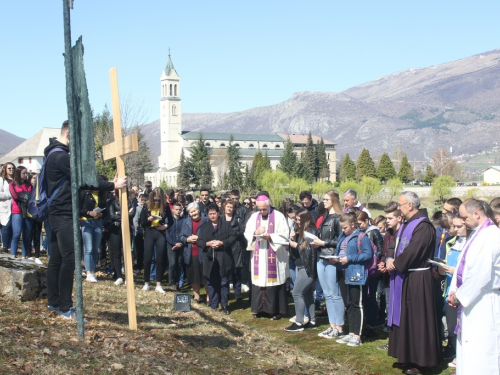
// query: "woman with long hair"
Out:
[305,259]
[328,275]
[20,188]
[192,253]
[156,217]
[36,231]
[6,177]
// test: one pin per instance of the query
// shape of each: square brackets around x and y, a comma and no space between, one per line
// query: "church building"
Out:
[174,139]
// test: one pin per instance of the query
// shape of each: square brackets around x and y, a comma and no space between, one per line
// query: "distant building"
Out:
[491,175]
[30,153]
[173,139]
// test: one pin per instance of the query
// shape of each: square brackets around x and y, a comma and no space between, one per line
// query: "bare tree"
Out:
[443,164]
[397,155]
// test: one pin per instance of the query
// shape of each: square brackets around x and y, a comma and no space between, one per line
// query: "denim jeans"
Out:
[91,235]
[303,295]
[24,226]
[327,274]
[7,234]
[292,268]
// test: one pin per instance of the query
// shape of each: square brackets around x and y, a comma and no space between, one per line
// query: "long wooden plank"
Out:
[120,166]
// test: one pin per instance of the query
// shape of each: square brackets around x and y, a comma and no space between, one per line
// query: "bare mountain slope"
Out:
[453,104]
[9,142]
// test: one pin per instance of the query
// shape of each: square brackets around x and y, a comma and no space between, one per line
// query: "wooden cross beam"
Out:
[118,149]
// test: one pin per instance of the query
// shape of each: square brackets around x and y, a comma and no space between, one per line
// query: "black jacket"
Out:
[57,166]
[223,255]
[167,217]
[329,231]
[240,245]
[88,203]
[313,210]
[308,256]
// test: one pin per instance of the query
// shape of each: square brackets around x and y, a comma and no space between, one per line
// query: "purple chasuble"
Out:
[396,283]
[271,254]
[461,266]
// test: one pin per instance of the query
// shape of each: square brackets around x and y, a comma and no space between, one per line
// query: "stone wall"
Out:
[22,280]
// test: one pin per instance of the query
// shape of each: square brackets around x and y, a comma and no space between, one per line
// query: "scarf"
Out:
[271,254]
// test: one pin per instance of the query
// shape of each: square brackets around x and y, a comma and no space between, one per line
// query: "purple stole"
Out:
[396,283]
[271,254]
[460,270]
[361,208]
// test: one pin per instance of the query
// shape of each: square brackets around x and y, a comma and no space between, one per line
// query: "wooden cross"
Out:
[118,149]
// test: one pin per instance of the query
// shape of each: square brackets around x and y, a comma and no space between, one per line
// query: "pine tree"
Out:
[385,169]
[405,170]
[365,166]
[299,170]
[347,169]
[260,164]
[288,159]
[103,134]
[429,175]
[323,166]
[234,176]
[248,180]
[138,163]
[183,175]
[202,174]
[310,160]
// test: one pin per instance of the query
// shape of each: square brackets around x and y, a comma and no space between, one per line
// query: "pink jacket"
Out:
[14,190]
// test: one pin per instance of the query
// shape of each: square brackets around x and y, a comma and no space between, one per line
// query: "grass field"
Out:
[203,341]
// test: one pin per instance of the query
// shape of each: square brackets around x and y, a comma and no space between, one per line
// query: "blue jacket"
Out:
[174,232]
[356,272]
[186,231]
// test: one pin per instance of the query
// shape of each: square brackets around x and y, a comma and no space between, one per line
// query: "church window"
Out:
[207,144]
[277,146]
[175,90]
[222,145]
[174,110]
[170,90]
[264,145]
[251,145]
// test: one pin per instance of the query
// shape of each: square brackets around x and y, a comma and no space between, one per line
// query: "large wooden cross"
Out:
[118,149]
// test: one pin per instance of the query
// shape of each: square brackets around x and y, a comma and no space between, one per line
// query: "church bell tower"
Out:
[170,117]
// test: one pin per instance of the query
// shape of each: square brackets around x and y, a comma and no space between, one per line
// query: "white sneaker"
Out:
[231,286]
[91,278]
[159,289]
[244,288]
[145,287]
[330,333]
[453,363]
[354,341]
[38,261]
[345,339]
[119,281]
[292,319]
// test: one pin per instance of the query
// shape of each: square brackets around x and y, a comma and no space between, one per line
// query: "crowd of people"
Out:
[423,278]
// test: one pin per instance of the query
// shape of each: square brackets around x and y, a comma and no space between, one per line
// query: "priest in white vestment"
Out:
[475,291]
[266,232]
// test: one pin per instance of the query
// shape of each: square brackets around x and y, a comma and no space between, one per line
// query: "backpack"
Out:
[372,264]
[39,201]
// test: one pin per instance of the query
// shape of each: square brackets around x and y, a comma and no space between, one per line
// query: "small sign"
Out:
[182,302]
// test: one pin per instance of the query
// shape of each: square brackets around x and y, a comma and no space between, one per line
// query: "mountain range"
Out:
[455,104]
[9,142]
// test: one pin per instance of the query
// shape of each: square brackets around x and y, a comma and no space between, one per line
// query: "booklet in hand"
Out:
[437,262]
[98,210]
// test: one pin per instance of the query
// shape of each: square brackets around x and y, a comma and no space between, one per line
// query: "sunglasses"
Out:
[157,200]
[246,203]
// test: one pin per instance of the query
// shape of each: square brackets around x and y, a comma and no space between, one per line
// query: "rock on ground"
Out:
[22,280]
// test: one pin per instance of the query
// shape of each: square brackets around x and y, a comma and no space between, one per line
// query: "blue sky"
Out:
[230,55]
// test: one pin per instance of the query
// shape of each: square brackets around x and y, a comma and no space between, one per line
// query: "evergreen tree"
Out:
[299,170]
[288,159]
[365,166]
[429,175]
[199,161]
[248,181]
[266,161]
[385,169]
[234,176]
[405,170]
[138,163]
[183,173]
[323,166]
[347,169]
[103,135]
[310,160]
[260,164]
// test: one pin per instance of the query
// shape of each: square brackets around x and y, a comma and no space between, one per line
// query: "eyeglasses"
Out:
[402,204]
[262,209]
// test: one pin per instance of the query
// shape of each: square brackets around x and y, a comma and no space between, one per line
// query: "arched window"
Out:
[237,145]
[174,110]
[207,144]
[175,90]
[277,146]
[264,145]
[222,145]
[328,156]
[170,89]
[251,145]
